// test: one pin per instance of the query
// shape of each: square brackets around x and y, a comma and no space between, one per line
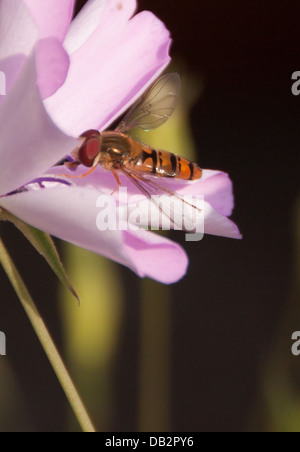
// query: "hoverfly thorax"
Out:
[116,145]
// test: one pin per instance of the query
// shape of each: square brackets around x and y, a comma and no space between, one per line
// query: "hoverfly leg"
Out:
[118,181]
[88,172]
[81,176]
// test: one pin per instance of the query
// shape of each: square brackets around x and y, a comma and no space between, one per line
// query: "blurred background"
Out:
[213,352]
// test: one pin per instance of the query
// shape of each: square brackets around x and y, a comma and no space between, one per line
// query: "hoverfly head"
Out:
[90,147]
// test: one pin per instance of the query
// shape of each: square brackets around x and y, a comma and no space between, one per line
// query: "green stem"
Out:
[46,341]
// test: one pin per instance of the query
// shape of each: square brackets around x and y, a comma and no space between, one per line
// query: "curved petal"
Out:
[217,224]
[52,62]
[156,257]
[18,34]
[215,186]
[97,14]
[205,220]
[70,213]
[212,221]
[52,17]
[30,141]
[111,70]
[218,192]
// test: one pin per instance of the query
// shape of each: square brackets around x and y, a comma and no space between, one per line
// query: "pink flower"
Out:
[66,77]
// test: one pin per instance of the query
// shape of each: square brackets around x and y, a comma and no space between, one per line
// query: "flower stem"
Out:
[46,341]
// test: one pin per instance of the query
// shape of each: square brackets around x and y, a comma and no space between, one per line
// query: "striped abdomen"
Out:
[165,164]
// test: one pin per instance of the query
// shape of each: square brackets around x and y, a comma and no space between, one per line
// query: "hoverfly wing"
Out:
[155,107]
[171,211]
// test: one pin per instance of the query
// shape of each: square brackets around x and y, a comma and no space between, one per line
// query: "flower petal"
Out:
[18,35]
[52,63]
[217,224]
[111,70]
[215,186]
[212,221]
[97,14]
[218,191]
[52,17]
[70,213]
[206,220]
[30,141]
[156,257]
[18,32]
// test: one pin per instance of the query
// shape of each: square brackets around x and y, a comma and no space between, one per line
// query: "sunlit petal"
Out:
[92,96]
[53,17]
[30,141]
[18,34]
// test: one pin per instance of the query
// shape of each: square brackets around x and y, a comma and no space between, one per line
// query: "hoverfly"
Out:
[117,152]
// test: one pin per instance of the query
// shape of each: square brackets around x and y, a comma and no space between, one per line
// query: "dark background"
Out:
[227,312]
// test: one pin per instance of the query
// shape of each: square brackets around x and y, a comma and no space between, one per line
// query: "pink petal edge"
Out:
[156,257]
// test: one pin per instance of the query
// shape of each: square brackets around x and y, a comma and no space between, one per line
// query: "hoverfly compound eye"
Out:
[90,133]
[90,148]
